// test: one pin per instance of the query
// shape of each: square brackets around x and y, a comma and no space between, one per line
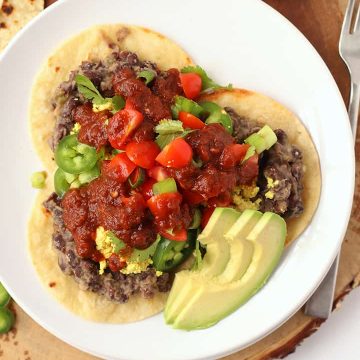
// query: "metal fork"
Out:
[321,302]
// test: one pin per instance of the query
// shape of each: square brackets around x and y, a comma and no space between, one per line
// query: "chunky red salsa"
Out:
[206,165]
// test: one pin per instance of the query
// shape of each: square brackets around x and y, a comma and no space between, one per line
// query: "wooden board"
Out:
[320,21]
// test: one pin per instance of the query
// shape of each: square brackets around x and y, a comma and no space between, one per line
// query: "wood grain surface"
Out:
[320,21]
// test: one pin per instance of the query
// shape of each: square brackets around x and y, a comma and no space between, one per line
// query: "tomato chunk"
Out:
[178,235]
[147,188]
[159,204]
[158,173]
[122,125]
[191,84]
[190,121]
[232,155]
[192,197]
[177,154]
[249,170]
[143,153]
[206,215]
[119,168]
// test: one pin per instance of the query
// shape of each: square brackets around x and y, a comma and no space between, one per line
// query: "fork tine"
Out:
[346,27]
[357,20]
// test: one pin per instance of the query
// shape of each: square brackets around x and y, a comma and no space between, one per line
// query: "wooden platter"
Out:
[320,21]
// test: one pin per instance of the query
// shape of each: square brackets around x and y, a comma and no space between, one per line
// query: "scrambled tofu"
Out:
[243,196]
[104,243]
[76,128]
[136,267]
[107,247]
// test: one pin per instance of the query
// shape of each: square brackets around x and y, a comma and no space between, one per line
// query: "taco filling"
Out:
[143,160]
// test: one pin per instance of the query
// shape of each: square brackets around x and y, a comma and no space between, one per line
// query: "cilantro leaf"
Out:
[118,103]
[88,89]
[208,84]
[90,92]
[168,131]
[148,75]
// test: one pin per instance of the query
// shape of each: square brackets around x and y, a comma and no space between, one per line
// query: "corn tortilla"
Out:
[15,14]
[92,44]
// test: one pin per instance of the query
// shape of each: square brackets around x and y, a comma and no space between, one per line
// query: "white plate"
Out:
[243,42]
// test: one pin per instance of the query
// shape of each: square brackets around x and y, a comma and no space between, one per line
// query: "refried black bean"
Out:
[116,287]
[101,74]
[282,163]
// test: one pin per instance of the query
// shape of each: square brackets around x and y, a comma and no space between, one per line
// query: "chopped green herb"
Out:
[90,92]
[38,179]
[163,140]
[118,103]
[88,89]
[207,83]
[148,75]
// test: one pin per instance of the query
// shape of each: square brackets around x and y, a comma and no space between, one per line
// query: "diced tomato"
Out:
[122,125]
[190,121]
[158,173]
[192,197]
[249,170]
[119,168]
[130,104]
[206,215]
[223,200]
[159,204]
[177,154]
[147,188]
[178,235]
[232,155]
[115,263]
[191,84]
[143,153]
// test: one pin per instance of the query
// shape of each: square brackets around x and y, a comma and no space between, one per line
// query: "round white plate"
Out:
[242,42]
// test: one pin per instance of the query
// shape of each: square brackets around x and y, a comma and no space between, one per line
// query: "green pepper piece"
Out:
[216,114]
[165,186]
[6,320]
[87,176]
[38,179]
[137,178]
[60,183]
[183,104]
[170,254]
[74,157]
[4,296]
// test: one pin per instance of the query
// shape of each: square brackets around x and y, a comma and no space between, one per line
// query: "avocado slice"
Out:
[207,305]
[241,249]
[214,262]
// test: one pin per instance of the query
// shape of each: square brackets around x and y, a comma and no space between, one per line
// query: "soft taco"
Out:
[145,145]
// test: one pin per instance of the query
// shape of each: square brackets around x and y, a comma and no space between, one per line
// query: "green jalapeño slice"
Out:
[74,157]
